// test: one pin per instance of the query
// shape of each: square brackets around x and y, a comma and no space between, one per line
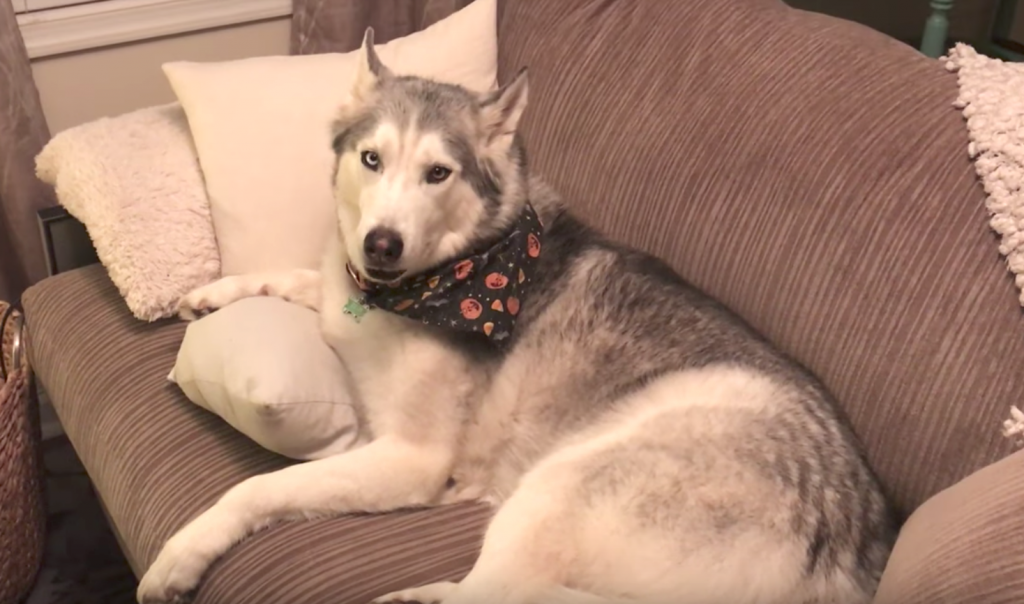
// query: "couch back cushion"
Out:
[810,173]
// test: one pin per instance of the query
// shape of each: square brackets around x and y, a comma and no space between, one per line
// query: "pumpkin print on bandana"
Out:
[482,293]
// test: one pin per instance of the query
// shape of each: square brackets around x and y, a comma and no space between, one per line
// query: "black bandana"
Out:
[482,293]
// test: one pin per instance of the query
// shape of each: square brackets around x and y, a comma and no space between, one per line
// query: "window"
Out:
[58,26]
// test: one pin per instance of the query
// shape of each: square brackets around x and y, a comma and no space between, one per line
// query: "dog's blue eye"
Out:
[438,174]
[370,159]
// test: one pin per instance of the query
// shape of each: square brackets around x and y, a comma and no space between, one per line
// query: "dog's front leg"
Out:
[385,475]
[300,286]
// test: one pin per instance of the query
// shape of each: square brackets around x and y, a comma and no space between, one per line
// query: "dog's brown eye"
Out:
[437,174]
[370,159]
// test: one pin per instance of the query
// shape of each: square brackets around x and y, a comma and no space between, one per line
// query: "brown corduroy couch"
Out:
[809,172]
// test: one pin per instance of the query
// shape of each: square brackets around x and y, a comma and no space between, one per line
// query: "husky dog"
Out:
[638,442]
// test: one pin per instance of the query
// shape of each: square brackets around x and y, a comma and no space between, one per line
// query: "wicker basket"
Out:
[22,509]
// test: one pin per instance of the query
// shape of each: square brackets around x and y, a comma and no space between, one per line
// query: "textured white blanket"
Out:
[992,99]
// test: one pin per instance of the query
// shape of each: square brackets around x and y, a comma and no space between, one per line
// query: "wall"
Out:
[904,19]
[80,87]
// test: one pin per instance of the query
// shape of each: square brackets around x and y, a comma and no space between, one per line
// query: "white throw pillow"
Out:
[134,181]
[262,365]
[262,130]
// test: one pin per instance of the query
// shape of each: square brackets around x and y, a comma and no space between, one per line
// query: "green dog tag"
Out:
[355,309]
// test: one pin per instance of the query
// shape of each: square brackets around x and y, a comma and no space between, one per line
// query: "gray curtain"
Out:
[23,132]
[320,26]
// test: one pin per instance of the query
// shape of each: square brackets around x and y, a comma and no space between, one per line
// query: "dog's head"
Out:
[425,171]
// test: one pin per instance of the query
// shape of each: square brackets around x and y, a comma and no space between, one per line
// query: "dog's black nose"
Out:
[383,246]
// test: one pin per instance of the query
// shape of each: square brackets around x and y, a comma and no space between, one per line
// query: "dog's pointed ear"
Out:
[370,69]
[501,109]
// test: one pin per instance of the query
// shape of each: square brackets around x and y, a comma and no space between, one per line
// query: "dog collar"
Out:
[482,293]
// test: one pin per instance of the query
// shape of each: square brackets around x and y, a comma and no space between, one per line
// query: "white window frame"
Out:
[36,5]
[107,22]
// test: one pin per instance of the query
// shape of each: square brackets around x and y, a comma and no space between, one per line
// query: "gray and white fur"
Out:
[638,441]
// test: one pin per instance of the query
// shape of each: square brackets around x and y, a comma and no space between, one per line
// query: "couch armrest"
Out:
[965,544]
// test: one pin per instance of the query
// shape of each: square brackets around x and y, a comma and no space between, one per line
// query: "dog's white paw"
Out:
[175,572]
[435,593]
[212,296]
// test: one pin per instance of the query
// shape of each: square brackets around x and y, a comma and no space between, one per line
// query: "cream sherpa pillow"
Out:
[262,129]
[134,181]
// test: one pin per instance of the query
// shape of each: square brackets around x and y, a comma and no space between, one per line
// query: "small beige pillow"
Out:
[134,181]
[262,128]
[262,365]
